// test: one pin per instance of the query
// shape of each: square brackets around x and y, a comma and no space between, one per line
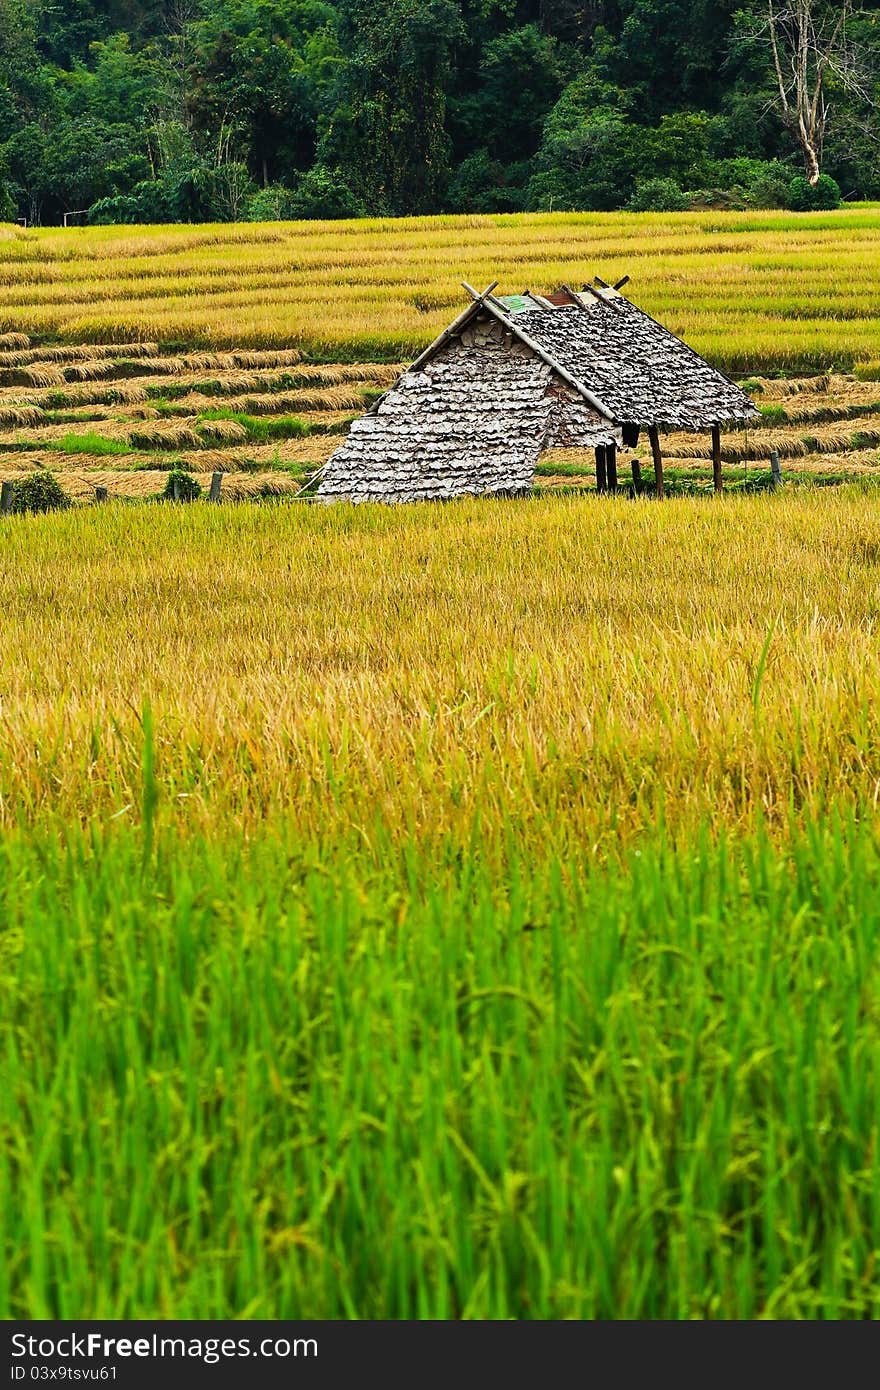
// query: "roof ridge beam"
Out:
[547,357]
[539,299]
[578,298]
[602,297]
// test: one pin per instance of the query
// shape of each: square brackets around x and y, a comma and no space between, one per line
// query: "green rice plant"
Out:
[89,443]
[259,428]
[311,1078]
[180,486]
[40,492]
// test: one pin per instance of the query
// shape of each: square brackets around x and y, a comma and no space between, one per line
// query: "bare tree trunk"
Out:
[807,38]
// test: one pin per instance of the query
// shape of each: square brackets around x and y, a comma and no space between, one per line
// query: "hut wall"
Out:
[472,420]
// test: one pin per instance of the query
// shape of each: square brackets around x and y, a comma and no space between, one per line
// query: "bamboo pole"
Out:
[611,457]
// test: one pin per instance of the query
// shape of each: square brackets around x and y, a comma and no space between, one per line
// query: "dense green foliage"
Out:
[40,492]
[181,486]
[185,110]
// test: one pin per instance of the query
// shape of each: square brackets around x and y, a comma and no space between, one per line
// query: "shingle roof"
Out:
[641,372]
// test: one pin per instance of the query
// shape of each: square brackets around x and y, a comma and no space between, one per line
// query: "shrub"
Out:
[324,194]
[122,208]
[187,487]
[274,203]
[770,187]
[806,197]
[658,195]
[41,492]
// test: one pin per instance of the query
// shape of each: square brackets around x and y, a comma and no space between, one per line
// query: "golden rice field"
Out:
[441,912]
[752,291]
[331,665]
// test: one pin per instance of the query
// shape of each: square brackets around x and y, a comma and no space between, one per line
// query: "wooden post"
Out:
[637,476]
[654,436]
[611,458]
[716,457]
[100,494]
[175,489]
[601,473]
[775,469]
[6,497]
[216,484]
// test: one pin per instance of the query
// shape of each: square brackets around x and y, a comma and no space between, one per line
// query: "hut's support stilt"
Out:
[611,457]
[601,471]
[716,457]
[637,476]
[654,436]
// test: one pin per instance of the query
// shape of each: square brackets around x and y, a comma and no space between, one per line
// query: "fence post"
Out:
[216,484]
[6,497]
[776,470]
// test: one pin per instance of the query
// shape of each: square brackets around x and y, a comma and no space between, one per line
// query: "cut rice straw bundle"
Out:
[20,414]
[164,436]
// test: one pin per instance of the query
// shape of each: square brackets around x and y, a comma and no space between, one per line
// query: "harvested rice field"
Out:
[768,291]
[121,418]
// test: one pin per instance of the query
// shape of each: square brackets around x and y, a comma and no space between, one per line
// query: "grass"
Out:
[769,291]
[259,429]
[372,951]
[90,443]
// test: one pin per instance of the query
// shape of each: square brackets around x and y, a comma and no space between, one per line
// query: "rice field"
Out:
[117,419]
[373,951]
[101,417]
[768,291]
[435,912]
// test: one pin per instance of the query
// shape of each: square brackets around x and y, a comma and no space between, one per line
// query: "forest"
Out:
[145,111]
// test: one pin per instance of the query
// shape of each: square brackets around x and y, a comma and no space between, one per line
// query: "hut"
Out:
[516,374]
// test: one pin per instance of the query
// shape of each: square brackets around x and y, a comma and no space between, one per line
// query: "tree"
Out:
[387,134]
[809,43]
[262,67]
[589,154]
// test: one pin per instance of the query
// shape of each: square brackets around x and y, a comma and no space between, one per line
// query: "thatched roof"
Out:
[639,371]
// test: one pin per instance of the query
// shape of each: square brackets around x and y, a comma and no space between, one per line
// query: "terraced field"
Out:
[752,291]
[121,416]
